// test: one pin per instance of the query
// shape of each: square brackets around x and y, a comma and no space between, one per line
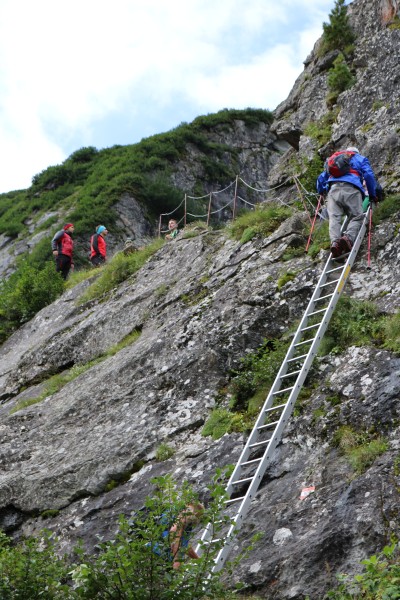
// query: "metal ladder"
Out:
[278,407]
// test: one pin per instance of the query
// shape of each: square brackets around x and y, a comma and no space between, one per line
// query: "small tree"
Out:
[339,79]
[338,33]
[137,564]
[32,570]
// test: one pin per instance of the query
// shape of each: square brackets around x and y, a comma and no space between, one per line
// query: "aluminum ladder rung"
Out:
[341,257]
[316,312]
[258,444]
[250,462]
[333,270]
[282,391]
[297,358]
[267,425]
[290,374]
[232,500]
[310,327]
[242,480]
[328,283]
[275,407]
[305,342]
[323,297]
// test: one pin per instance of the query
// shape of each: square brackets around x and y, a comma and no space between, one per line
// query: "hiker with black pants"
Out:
[62,246]
[343,177]
[98,247]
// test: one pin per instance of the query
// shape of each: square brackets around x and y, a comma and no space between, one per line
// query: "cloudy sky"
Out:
[99,73]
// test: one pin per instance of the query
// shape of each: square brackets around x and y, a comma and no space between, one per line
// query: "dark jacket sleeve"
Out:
[56,239]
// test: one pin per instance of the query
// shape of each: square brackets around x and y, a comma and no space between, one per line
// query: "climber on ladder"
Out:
[343,177]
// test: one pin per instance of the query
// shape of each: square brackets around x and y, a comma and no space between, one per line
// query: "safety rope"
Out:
[304,194]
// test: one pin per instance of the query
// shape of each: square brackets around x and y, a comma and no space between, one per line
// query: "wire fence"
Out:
[307,198]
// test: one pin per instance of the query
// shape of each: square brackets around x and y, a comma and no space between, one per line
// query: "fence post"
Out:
[235,199]
[184,216]
[159,227]
[209,210]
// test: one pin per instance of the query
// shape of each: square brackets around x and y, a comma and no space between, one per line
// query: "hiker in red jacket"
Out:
[62,246]
[98,247]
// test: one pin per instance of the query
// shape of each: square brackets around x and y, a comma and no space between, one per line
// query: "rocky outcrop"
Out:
[200,304]
[367,113]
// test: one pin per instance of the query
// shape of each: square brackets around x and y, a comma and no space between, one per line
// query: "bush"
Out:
[338,33]
[354,323]
[137,565]
[27,291]
[340,77]
[360,448]
[32,570]
[261,221]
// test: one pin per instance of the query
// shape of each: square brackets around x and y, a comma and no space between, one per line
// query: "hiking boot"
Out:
[336,249]
[345,243]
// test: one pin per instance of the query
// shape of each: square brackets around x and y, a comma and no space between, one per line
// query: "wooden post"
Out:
[184,217]
[235,199]
[209,210]
[159,227]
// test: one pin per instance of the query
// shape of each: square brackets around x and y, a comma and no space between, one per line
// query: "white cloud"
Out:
[67,66]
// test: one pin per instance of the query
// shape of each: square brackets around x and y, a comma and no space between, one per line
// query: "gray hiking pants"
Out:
[344,199]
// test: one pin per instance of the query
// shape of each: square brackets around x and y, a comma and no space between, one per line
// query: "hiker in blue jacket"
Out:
[345,196]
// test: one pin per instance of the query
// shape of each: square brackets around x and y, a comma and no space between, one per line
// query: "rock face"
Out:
[199,305]
[367,113]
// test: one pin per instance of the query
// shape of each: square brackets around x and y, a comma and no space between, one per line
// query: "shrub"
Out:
[391,331]
[32,569]
[338,33]
[164,452]
[261,221]
[354,323]
[27,291]
[257,370]
[360,448]
[138,565]
[340,77]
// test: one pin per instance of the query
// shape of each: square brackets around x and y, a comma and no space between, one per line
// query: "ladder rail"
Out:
[288,406]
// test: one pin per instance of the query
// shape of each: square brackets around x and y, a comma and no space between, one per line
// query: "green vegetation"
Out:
[285,278]
[248,390]
[380,579]
[338,33]
[27,291]
[391,333]
[50,513]
[164,452]
[32,570]
[309,171]
[386,209]
[354,323]
[320,239]
[339,79]
[118,269]
[321,131]
[360,448]
[90,182]
[127,567]
[261,221]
